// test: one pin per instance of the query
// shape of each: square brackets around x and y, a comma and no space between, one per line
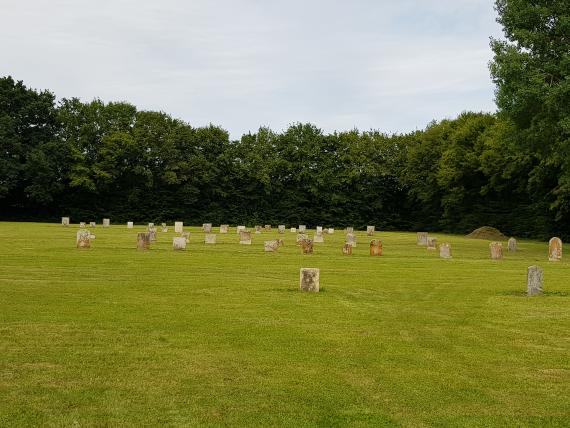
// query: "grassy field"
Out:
[221,335]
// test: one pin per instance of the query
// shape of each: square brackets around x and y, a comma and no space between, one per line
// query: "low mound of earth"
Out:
[487,232]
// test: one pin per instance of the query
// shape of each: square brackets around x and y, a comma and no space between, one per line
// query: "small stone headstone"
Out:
[302,228]
[207,227]
[130,224]
[445,251]
[143,241]
[83,239]
[376,247]
[267,227]
[347,250]
[106,222]
[301,236]
[431,243]
[65,221]
[245,237]
[351,239]
[512,244]
[370,230]
[421,238]
[92,224]
[281,228]
[293,230]
[240,229]
[164,229]
[309,280]
[496,249]
[281,242]
[319,230]
[152,234]
[271,246]
[318,238]
[186,235]
[224,228]
[82,225]
[535,281]
[555,249]
[306,246]
[331,230]
[210,238]
[179,243]
[258,228]
[163,225]
[178,226]
[350,230]
[150,225]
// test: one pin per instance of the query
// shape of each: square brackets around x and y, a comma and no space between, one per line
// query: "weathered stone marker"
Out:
[281,228]
[240,229]
[318,238]
[347,250]
[555,249]
[271,246]
[258,228]
[267,227]
[309,280]
[186,235]
[150,225]
[106,222]
[210,238]
[431,243]
[512,244]
[83,239]
[143,241]
[82,225]
[293,230]
[319,230]
[421,238]
[535,281]
[350,230]
[164,228]
[179,243]
[376,247]
[92,224]
[224,228]
[152,233]
[207,227]
[370,230]
[130,224]
[65,221]
[306,246]
[445,251]
[302,228]
[178,226]
[245,237]
[496,249]
[301,237]
[351,239]
[331,230]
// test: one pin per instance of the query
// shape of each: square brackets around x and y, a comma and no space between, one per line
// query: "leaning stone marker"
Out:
[281,228]
[302,228]
[555,249]
[92,224]
[370,230]
[331,231]
[350,230]
[309,280]
[150,225]
[240,229]
[267,227]
[347,250]
[178,226]
[512,244]
[351,239]
[224,228]
[207,227]
[65,221]
[445,251]
[318,238]
[143,241]
[245,237]
[307,246]
[431,243]
[179,243]
[301,237]
[106,222]
[293,230]
[82,225]
[186,235]
[375,247]
[421,238]
[210,238]
[152,234]
[496,249]
[271,246]
[83,239]
[258,228]
[319,230]
[535,281]
[130,224]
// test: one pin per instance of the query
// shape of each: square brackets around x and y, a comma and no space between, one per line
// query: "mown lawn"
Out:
[221,335]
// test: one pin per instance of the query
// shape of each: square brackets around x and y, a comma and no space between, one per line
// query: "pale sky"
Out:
[241,64]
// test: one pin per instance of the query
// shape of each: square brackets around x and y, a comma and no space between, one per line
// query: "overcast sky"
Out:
[241,64]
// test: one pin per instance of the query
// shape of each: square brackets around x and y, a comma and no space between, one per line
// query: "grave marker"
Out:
[281,228]
[302,228]
[347,250]
[431,243]
[307,246]
[207,227]
[370,230]
[555,249]
[512,244]
[224,228]
[445,251]
[130,224]
[178,226]
[106,222]
[351,239]
[309,280]
[535,281]
[83,239]
[245,237]
[210,238]
[496,249]
[65,221]
[143,241]
[376,247]
[179,243]
[421,238]
[271,246]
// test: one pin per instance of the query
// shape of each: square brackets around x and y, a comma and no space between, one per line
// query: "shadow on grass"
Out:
[544,294]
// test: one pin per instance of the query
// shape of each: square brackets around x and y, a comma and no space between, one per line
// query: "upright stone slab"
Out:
[92,224]
[281,228]
[347,249]
[445,251]
[302,228]
[512,244]
[421,238]
[318,238]
[150,225]
[82,225]
[306,246]
[130,225]
[267,227]
[496,249]
[245,238]
[309,280]
[178,226]
[301,237]
[83,239]
[376,247]
[555,249]
[210,238]
[164,229]
[350,230]
[331,231]
[319,230]
[152,234]
[143,241]
[431,243]
[293,230]
[207,227]
[106,222]
[65,221]
[271,246]
[240,229]
[370,230]
[224,228]
[179,243]
[535,281]
[186,236]
[351,239]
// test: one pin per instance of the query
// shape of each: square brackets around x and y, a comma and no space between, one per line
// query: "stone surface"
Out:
[164,229]
[207,227]
[301,236]
[143,241]
[319,230]
[318,238]
[82,224]
[331,230]
[130,224]
[351,239]
[347,250]
[496,249]
[186,235]
[421,238]
[150,225]
[555,249]
[267,227]
[178,226]
[370,230]
[179,243]
[302,228]
[152,234]
[281,228]
[163,225]
[309,280]
[293,230]
[210,238]
[224,228]
[512,244]
[431,243]
[306,246]
[83,239]
[271,246]
[350,230]
[245,237]
[92,224]
[106,222]
[376,247]
[445,251]
[258,228]
[535,281]
[240,229]
[65,221]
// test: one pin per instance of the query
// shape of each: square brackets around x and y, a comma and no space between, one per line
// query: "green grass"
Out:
[221,335]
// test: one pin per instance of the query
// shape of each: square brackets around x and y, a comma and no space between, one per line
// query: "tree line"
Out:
[510,170]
